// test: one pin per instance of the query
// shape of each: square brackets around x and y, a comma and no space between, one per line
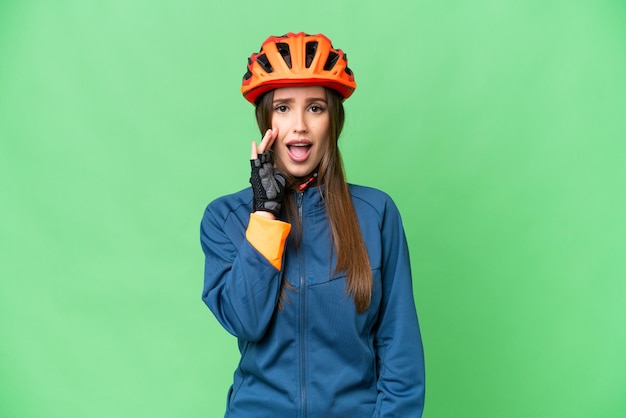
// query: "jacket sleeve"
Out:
[241,285]
[399,350]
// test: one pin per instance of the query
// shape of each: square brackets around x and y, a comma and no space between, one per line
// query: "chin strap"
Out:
[306,184]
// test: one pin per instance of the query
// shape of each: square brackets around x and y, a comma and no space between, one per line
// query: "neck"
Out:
[308,181]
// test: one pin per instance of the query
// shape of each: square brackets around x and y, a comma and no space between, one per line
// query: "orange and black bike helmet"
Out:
[297,59]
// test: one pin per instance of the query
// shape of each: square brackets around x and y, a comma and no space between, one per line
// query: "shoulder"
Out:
[371,199]
[225,206]
[224,222]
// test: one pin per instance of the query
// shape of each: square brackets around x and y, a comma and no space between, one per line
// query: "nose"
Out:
[300,123]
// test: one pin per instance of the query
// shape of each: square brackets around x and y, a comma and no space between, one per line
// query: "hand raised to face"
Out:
[268,184]
[266,143]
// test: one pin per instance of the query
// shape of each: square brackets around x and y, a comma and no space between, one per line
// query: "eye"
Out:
[280,108]
[316,108]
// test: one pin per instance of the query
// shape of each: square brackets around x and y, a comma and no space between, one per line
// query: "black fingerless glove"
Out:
[268,184]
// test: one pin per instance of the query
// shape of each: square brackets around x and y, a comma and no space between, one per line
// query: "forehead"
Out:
[305,92]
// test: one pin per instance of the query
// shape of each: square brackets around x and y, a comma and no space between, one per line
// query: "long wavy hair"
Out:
[346,234]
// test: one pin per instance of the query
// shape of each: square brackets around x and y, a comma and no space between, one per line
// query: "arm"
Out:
[399,351]
[241,282]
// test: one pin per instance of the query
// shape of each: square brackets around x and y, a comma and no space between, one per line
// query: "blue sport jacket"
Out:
[315,356]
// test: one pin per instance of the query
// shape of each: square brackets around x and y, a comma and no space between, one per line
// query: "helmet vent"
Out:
[264,63]
[347,70]
[283,48]
[333,57]
[248,74]
[311,48]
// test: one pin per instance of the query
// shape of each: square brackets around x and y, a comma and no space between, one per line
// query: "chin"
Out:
[299,171]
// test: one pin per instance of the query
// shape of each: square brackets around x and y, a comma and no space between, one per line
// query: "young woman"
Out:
[311,274]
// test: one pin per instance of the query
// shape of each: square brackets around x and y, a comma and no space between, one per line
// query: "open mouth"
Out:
[300,151]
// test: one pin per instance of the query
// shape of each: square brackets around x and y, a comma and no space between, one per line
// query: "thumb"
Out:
[254,154]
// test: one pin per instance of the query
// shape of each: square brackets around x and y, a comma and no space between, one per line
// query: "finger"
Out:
[268,140]
[254,154]
[272,138]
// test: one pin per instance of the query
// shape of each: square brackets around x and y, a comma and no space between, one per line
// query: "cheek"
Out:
[280,122]
[279,152]
[323,129]
[320,150]
[275,124]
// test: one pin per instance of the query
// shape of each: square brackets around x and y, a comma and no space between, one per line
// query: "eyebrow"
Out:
[291,99]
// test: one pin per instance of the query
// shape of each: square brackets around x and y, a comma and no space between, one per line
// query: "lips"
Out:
[299,150]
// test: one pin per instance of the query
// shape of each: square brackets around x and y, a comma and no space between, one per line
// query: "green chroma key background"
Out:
[499,128]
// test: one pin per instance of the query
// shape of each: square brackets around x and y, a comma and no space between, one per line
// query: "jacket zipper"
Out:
[302,334]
